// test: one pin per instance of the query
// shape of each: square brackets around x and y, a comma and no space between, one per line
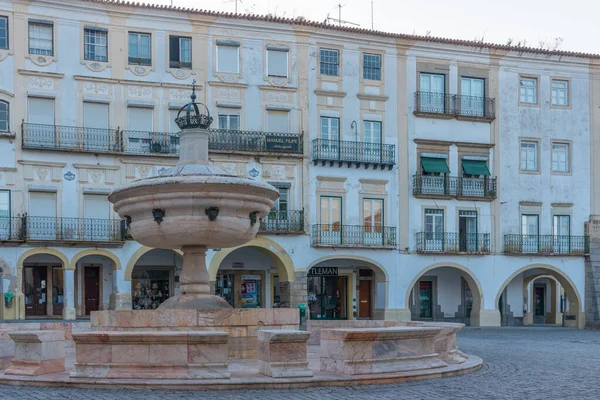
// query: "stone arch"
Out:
[565,281]
[137,255]
[379,269]
[281,259]
[467,275]
[43,250]
[96,252]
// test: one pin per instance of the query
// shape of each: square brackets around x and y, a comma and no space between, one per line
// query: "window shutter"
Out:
[173,128]
[95,115]
[278,121]
[228,59]
[42,204]
[96,206]
[277,63]
[174,48]
[40,111]
[140,119]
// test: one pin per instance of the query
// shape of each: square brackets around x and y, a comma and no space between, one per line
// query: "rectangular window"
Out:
[331,213]
[560,93]
[528,90]
[371,66]
[330,128]
[3,32]
[562,225]
[96,124]
[530,230]
[277,63]
[141,126]
[4,116]
[229,121]
[373,215]
[467,231]
[434,221]
[95,45]
[372,132]
[278,121]
[560,157]
[4,204]
[472,101]
[40,111]
[529,155]
[41,38]
[140,49]
[228,59]
[330,62]
[180,52]
[281,204]
[431,96]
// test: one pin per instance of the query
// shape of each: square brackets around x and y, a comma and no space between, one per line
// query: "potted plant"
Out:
[8,299]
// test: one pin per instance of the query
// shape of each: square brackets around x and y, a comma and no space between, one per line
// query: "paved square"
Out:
[520,363]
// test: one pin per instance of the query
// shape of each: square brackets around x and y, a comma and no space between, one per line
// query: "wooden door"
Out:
[539,316]
[364,308]
[92,289]
[34,287]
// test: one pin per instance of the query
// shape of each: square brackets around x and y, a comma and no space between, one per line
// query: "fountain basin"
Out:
[208,210]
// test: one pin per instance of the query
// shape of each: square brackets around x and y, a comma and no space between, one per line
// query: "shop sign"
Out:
[251,277]
[312,297]
[282,144]
[237,265]
[323,271]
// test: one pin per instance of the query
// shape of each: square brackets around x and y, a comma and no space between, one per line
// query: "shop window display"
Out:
[150,288]
[328,297]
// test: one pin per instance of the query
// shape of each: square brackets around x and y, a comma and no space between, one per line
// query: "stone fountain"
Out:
[194,206]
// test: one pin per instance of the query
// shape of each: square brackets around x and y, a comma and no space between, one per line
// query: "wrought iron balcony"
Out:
[453,243]
[472,107]
[443,186]
[353,153]
[140,61]
[180,64]
[430,103]
[71,138]
[359,236]
[442,105]
[11,229]
[72,229]
[282,222]
[547,245]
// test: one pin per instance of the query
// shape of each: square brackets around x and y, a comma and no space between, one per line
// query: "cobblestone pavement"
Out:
[520,363]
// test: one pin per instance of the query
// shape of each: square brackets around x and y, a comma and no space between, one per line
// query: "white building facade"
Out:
[432,180]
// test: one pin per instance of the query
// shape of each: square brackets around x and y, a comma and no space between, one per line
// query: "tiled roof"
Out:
[322,25]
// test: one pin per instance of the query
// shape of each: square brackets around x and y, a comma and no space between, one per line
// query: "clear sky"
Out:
[575,21]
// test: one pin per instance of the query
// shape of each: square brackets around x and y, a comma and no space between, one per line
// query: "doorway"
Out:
[467,231]
[35,289]
[425,299]
[364,290]
[539,316]
[91,288]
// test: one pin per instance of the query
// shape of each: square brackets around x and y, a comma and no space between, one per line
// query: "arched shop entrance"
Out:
[446,293]
[155,278]
[539,294]
[94,281]
[43,285]
[346,288]
[252,277]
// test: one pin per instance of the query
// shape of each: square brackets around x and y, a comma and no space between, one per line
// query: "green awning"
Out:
[475,167]
[431,164]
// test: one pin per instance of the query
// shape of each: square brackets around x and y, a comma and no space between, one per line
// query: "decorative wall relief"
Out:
[140,91]
[41,83]
[96,88]
[41,173]
[69,176]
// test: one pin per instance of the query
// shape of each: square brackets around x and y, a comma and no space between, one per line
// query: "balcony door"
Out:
[331,220]
[433,176]
[330,135]
[373,222]
[472,98]
[467,231]
[562,234]
[372,141]
[434,229]
[96,135]
[6,226]
[140,123]
[530,233]
[41,220]
[475,178]
[173,131]
[431,97]
[278,218]
[96,213]
[41,132]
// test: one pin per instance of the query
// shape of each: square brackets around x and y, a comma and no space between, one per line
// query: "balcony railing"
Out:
[71,138]
[180,64]
[455,106]
[454,186]
[36,229]
[357,153]
[453,243]
[281,222]
[335,235]
[11,229]
[474,107]
[140,61]
[434,103]
[546,245]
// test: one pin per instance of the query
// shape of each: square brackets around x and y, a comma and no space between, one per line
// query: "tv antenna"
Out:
[236,3]
[339,20]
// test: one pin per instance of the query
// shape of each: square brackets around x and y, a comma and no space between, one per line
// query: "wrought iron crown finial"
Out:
[193,96]
[190,117]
